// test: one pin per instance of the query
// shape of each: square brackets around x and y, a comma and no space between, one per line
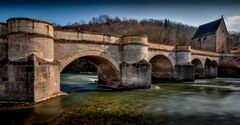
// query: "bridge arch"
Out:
[210,68]
[208,63]
[162,68]
[215,64]
[199,68]
[96,53]
[108,69]
[169,55]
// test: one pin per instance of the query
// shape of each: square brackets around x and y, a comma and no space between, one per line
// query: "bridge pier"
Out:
[28,70]
[28,80]
[135,70]
[184,70]
[137,75]
[210,69]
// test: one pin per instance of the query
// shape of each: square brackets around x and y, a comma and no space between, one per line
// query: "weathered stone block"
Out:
[30,80]
[184,72]
[16,84]
[137,75]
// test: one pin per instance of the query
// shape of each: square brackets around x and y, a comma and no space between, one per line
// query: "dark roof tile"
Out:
[208,28]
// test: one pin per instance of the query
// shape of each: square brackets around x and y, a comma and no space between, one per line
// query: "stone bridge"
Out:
[33,53]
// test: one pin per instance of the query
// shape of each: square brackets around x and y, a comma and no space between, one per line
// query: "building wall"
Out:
[221,39]
[205,43]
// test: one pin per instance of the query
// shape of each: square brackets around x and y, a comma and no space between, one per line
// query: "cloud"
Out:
[233,20]
[233,23]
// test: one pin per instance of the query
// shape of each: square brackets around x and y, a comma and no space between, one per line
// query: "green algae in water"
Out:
[172,104]
[99,112]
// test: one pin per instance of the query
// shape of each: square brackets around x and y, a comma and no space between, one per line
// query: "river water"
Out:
[203,102]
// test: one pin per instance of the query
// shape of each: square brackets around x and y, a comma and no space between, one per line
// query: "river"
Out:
[203,102]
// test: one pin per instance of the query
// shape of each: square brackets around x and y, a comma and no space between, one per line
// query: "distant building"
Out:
[212,36]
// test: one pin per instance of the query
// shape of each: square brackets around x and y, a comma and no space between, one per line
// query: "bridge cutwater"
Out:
[33,53]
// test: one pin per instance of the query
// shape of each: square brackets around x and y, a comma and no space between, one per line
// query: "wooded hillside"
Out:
[158,31]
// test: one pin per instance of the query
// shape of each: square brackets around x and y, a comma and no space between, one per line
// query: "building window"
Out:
[199,39]
[204,38]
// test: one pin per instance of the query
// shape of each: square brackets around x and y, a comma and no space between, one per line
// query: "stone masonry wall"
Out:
[17,81]
[205,43]
[137,75]
[46,80]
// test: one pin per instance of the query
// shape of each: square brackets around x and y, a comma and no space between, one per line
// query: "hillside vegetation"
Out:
[235,39]
[158,31]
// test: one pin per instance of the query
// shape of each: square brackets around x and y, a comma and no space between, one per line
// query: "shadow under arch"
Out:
[97,53]
[210,68]
[215,64]
[162,68]
[198,67]
[108,70]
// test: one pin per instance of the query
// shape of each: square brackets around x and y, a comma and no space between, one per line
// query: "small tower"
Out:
[30,36]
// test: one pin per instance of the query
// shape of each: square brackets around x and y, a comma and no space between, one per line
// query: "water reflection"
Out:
[214,101]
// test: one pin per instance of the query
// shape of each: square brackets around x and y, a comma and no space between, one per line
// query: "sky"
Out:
[191,12]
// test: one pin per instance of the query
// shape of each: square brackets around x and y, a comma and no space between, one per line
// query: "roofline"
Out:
[210,22]
[225,25]
[204,35]
[211,32]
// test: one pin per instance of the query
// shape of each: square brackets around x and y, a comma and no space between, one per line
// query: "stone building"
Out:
[212,36]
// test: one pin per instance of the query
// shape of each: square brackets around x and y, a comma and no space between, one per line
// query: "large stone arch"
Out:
[199,67]
[169,55]
[215,63]
[108,69]
[97,53]
[162,68]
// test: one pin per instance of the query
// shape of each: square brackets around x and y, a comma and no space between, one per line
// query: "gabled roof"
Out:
[208,28]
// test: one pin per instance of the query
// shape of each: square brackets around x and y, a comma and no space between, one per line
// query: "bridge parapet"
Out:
[230,57]
[3,41]
[158,46]
[206,53]
[82,36]
[3,29]
[135,39]
[183,48]
[231,54]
